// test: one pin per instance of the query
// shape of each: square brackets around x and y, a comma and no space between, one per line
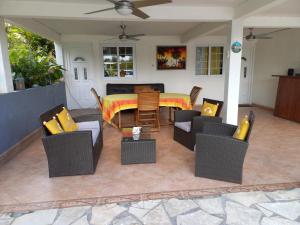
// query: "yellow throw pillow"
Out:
[66,121]
[53,126]
[242,130]
[209,109]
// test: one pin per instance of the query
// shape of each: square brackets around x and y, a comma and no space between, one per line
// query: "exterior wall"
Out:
[20,111]
[274,56]
[174,80]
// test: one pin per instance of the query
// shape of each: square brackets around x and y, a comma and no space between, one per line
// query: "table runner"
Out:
[112,104]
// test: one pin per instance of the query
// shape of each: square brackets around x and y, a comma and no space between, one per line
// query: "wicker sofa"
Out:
[194,122]
[72,153]
[218,155]
[112,89]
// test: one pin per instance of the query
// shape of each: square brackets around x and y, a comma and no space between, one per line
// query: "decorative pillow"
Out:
[242,130]
[209,109]
[53,126]
[66,121]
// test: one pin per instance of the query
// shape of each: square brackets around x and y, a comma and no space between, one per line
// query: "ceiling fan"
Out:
[252,36]
[127,7]
[124,36]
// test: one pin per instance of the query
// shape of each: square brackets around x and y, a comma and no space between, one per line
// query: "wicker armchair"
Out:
[218,155]
[194,121]
[72,153]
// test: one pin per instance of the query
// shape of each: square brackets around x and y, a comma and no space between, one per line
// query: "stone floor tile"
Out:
[241,215]
[285,194]
[176,207]
[82,221]
[41,217]
[198,218]
[266,212]
[247,198]
[69,215]
[289,210]
[140,209]
[277,221]
[127,220]
[105,214]
[211,205]
[157,216]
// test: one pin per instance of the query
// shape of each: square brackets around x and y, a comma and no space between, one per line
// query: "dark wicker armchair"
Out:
[218,155]
[73,153]
[193,122]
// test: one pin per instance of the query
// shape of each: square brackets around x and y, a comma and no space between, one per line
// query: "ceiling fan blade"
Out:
[101,10]
[112,1]
[262,37]
[135,35]
[144,3]
[139,13]
[133,39]
[272,32]
[110,39]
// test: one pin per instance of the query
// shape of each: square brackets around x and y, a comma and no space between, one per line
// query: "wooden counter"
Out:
[288,98]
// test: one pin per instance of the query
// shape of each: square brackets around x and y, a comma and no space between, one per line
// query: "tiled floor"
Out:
[273,157]
[244,208]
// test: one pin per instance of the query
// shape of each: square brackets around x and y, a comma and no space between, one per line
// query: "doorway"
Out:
[247,67]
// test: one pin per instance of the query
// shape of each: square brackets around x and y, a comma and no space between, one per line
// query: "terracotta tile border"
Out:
[184,194]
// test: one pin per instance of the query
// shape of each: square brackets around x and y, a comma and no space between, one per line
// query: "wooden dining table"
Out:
[114,104]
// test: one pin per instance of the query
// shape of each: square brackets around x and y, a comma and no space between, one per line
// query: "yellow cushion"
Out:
[242,130]
[209,109]
[66,121]
[53,126]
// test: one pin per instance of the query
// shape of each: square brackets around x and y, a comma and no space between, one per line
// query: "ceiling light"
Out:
[124,10]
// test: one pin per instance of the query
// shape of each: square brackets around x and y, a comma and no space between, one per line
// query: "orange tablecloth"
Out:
[113,104]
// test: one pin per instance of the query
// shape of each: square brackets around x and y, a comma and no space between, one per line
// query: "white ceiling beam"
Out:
[63,10]
[37,27]
[201,30]
[272,22]
[253,7]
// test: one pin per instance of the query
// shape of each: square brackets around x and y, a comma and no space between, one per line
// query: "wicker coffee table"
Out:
[137,151]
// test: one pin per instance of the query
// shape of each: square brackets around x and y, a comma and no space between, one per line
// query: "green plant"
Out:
[32,57]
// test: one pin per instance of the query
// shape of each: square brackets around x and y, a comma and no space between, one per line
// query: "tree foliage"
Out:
[32,57]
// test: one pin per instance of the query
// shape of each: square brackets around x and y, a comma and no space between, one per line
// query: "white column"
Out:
[232,73]
[6,83]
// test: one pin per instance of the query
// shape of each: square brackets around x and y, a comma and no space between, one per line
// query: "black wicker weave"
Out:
[188,138]
[218,155]
[72,153]
[140,151]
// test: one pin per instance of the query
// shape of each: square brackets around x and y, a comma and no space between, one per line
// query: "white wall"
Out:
[273,57]
[174,80]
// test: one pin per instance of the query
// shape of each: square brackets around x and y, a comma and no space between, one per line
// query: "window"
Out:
[118,61]
[209,60]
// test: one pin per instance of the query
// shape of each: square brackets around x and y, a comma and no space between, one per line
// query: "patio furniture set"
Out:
[219,148]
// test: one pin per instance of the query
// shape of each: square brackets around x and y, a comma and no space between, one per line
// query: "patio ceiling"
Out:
[92,27]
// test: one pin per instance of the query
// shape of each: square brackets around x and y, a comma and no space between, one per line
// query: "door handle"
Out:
[245,71]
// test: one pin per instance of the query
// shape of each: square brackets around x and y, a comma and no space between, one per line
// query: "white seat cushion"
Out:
[186,126]
[92,126]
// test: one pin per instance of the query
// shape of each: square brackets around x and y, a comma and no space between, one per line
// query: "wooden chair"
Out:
[194,94]
[98,98]
[142,88]
[148,109]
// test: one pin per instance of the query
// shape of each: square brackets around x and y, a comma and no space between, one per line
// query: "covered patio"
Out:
[84,43]
[272,163]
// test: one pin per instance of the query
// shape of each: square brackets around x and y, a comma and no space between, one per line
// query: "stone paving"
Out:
[244,208]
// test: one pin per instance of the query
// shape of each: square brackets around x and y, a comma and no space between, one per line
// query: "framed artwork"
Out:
[171,57]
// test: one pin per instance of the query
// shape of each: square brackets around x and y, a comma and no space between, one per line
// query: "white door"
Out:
[80,79]
[246,73]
